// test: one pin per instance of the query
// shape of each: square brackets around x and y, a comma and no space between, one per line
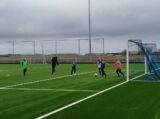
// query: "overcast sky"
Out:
[115,20]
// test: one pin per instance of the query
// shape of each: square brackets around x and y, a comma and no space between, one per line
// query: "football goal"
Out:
[142,61]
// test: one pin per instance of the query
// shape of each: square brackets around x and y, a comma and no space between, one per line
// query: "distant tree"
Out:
[123,52]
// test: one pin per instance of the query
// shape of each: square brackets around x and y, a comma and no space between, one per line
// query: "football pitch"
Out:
[82,96]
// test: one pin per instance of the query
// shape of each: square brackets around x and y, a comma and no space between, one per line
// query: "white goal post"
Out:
[136,65]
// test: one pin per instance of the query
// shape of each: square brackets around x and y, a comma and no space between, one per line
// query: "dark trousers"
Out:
[73,70]
[119,73]
[53,68]
[100,71]
[24,71]
[103,72]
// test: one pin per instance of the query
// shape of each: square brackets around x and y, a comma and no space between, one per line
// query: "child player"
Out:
[74,69]
[119,68]
[99,62]
[54,62]
[25,66]
[103,68]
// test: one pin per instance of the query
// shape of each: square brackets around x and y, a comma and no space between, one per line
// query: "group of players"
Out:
[100,64]
[54,62]
[101,67]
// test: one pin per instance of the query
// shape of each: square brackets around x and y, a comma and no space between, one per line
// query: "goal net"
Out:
[143,61]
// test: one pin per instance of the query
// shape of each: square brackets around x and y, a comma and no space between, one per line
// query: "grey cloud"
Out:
[69,18]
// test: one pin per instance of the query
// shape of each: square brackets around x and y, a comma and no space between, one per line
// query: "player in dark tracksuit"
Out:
[102,68]
[73,71]
[54,63]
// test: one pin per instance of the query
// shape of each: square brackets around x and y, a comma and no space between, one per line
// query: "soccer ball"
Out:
[95,74]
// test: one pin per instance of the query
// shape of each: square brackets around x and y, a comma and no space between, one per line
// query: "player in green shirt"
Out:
[25,66]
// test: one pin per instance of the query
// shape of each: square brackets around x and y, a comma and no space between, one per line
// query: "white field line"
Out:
[21,69]
[144,80]
[43,80]
[63,90]
[137,77]
[143,75]
[148,81]
[86,98]
[79,101]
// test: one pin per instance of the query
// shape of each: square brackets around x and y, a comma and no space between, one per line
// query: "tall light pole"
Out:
[42,47]
[103,45]
[13,47]
[55,46]
[34,44]
[89,34]
[79,46]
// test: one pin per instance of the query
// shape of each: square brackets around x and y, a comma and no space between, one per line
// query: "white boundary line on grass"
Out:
[43,80]
[3,70]
[86,98]
[137,77]
[32,89]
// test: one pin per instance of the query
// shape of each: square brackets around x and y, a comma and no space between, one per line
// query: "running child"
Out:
[99,62]
[25,66]
[74,68]
[54,62]
[118,68]
[103,68]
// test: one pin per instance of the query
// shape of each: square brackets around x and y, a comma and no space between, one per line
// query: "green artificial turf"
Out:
[133,100]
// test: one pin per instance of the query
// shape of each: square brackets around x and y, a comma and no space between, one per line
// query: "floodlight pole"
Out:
[42,46]
[13,47]
[56,47]
[89,21]
[34,44]
[127,61]
[79,46]
[103,45]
